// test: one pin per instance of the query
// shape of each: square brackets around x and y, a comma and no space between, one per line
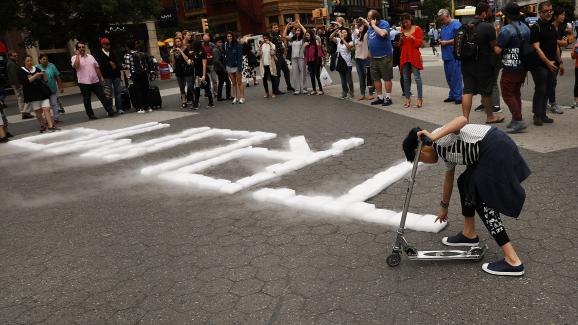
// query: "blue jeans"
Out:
[362,75]
[54,106]
[114,85]
[407,80]
[453,71]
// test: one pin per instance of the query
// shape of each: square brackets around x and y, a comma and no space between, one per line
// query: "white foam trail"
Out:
[357,210]
[299,145]
[378,183]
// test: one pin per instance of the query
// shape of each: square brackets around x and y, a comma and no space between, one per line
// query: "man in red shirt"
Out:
[208,46]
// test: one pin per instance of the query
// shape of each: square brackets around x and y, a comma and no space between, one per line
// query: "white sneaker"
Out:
[235,101]
[556,109]
[140,111]
[242,101]
[150,110]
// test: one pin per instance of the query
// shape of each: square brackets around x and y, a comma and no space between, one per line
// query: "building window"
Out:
[273,20]
[194,5]
[306,19]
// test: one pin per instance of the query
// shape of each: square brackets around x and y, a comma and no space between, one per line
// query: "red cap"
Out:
[104,41]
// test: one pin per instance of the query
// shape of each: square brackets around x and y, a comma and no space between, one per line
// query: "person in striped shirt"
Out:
[490,185]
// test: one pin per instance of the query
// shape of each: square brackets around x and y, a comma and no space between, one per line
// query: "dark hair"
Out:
[198,47]
[544,4]
[374,14]
[266,35]
[295,38]
[559,11]
[233,35]
[481,8]
[41,55]
[78,43]
[312,39]
[406,16]
[348,38]
[410,143]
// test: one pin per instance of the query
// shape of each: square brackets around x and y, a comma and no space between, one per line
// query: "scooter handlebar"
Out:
[426,140]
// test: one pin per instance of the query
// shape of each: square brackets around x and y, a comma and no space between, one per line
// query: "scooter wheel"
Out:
[393,260]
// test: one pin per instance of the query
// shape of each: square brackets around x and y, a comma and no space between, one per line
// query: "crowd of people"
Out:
[370,44]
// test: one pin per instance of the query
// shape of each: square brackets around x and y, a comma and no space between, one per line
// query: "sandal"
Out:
[498,120]
[407,103]
[419,103]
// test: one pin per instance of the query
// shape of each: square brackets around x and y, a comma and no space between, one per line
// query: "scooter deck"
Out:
[475,253]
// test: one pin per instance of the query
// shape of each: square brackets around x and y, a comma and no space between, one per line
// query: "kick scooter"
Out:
[401,245]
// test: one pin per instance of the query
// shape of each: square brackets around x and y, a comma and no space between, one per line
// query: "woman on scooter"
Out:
[490,185]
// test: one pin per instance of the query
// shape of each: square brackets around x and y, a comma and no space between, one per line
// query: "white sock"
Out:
[387,95]
[380,96]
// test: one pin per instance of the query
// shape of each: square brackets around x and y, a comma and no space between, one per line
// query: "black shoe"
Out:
[496,109]
[377,101]
[479,108]
[279,93]
[290,89]
[220,99]
[4,140]
[460,240]
[92,117]
[61,111]
[9,135]
[546,119]
[53,129]
[230,98]
[211,105]
[387,102]
[449,100]
[195,108]
[26,116]
[113,114]
[458,102]
[538,121]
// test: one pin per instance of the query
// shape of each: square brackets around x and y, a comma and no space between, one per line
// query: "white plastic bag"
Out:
[325,78]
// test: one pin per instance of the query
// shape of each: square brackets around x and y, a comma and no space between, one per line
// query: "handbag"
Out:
[44,88]
[341,65]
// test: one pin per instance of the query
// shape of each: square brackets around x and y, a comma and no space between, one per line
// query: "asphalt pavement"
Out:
[84,241]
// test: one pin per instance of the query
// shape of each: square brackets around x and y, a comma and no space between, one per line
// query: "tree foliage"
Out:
[55,21]
[429,8]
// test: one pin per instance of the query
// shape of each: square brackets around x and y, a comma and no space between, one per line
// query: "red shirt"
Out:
[208,51]
[410,48]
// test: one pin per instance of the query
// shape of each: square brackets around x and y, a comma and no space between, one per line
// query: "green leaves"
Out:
[54,22]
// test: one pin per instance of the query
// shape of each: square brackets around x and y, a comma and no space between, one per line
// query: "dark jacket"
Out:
[218,61]
[279,45]
[104,62]
[234,55]
[32,90]
[13,71]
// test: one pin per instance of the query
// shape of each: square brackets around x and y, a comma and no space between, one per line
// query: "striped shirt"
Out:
[462,148]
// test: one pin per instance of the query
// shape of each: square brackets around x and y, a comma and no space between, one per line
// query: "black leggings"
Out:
[314,68]
[268,76]
[207,87]
[490,217]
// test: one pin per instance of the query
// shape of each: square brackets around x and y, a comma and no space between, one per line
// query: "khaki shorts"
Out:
[381,68]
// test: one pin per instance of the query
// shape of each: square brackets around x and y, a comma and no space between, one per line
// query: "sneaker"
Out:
[496,109]
[387,102]
[220,99]
[538,121]
[502,267]
[574,106]
[242,101]
[53,129]
[150,110]
[211,105]
[449,100]
[556,109]
[296,93]
[290,89]
[517,126]
[113,114]
[377,101]
[26,116]
[546,119]
[458,102]
[42,129]
[92,117]
[460,240]
[234,101]
[479,108]
[121,112]
[140,111]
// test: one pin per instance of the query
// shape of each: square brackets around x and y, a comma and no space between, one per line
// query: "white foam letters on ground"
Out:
[113,145]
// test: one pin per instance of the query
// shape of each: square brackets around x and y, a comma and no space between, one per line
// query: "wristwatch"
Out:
[444,205]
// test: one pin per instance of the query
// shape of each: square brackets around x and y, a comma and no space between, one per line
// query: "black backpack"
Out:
[465,46]
[140,63]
